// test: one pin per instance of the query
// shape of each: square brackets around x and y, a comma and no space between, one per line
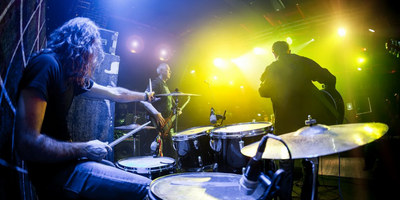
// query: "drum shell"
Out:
[194,151]
[227,145]
[148,166]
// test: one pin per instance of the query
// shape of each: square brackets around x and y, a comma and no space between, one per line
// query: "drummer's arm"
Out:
[157,115]
[117,94]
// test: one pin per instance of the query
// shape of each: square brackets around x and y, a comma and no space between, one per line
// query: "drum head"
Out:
[192,133]
[242,129]
[203,185]
[145,164]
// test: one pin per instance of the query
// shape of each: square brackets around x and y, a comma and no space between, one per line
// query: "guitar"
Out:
[335,103]
[164,130]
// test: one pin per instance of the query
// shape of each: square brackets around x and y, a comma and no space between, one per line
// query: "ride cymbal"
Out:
[319,140]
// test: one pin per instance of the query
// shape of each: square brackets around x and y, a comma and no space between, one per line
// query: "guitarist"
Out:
[288,82]
[160,111]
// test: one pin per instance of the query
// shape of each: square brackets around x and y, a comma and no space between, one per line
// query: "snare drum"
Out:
[227,141]
[148,166]
[193,149]
[199,186]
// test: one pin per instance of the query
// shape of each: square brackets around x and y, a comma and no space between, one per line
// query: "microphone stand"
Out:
[272,184]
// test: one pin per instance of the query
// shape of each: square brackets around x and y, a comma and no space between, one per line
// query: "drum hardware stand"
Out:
[314,161]
[270,180]
[222,118]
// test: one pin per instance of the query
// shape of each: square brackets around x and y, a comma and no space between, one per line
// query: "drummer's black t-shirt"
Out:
[44,72]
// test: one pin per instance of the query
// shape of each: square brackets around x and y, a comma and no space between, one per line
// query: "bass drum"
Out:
[193,149]
[148,166]
[201,185]
[227,141]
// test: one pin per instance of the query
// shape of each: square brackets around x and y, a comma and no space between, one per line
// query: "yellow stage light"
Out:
[257,51]
[341,32]
[219,62]
[289,40]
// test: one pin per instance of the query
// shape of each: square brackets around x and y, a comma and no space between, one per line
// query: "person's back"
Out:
[293,94]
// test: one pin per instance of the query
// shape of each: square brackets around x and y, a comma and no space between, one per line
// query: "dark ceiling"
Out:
[236,20]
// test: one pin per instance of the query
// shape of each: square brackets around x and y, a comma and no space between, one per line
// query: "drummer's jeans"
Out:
[93,180]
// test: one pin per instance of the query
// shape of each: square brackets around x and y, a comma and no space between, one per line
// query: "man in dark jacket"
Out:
[288,82]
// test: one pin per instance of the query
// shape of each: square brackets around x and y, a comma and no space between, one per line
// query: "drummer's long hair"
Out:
[77,45]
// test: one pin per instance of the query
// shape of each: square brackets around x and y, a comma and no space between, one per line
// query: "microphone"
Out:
[221,117]
[213,117]
[154,147]
[249,181]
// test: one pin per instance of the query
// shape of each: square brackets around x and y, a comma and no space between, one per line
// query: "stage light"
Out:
[289,40]
[361,60]
[258,51]
[312,40]
[163,52]
[341,32]
[135,44]
[193,71]
[215,77]
[371,30]
[359,69]
[220,63]
[231,82]
[241,87]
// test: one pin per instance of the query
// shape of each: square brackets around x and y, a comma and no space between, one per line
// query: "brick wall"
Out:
[22,31]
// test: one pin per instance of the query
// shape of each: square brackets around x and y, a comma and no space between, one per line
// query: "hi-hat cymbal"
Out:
[132,126]
[176,94]
[319,140]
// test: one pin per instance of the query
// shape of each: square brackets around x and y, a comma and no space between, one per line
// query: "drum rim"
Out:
[241,134]
[178,137]
[165,166]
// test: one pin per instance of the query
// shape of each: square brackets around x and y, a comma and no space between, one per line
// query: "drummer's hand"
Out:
[160,119]
[150,96]
[96,150]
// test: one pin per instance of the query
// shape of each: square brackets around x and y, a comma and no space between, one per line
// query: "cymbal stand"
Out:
[314,162]
[176,114]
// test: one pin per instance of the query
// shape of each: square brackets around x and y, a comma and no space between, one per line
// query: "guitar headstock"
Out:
[393,46]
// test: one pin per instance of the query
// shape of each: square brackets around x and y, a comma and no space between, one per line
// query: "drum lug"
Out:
[200,161]
[196,144]
[241,144]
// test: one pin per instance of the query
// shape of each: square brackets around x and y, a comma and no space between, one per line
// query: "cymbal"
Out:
[175,94]
[132,126]
[319,140]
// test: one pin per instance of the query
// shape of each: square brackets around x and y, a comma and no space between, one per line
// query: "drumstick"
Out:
[151,89]
[128,134]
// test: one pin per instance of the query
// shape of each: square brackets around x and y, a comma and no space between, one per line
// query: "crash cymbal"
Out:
[132,126]
[176,94]
[319,140]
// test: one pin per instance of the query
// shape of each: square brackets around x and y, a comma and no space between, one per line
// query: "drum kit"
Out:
[212,159]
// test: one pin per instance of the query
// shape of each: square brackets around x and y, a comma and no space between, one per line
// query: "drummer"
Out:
[294,101]
[57,167]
